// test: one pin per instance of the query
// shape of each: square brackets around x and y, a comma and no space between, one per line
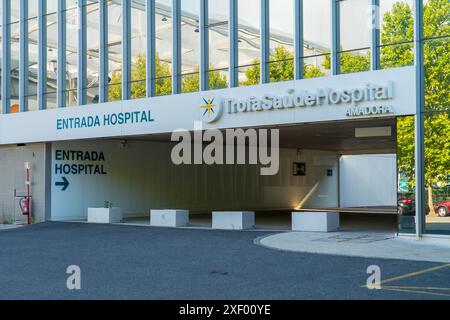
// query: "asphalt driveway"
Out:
[125,262]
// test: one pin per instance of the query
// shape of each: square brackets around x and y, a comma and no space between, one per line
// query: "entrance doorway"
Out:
[367,169]
[138,175]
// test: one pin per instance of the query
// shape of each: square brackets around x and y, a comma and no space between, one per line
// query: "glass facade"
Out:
[316,38]
[51,55]
[14,49]
[219,40]
[281,22]
[190,42]
[163,47]
[32,26]
[92,70]
[61,53]
[138,49]
[115,61]
[249,41]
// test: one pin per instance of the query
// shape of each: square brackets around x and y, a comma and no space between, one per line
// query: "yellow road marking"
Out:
[417,291]
[417,288]
[417,273]
[413,274]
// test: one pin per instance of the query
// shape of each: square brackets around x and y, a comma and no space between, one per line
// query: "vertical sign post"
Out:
[27,184]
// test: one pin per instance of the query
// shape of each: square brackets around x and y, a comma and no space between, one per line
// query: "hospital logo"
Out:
[211,110]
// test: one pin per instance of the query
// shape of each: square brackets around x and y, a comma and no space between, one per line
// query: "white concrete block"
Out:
[233,220]
[315,221]
[169,218]
[105,215]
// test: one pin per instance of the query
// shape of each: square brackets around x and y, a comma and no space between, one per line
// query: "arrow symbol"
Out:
[65,184]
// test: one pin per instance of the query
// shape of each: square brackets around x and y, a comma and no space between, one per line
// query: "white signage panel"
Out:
[351,96]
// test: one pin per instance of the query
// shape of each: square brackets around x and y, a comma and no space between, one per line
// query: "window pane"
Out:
[71,55]
[218,79]
[190,44]
[52,59]
[14,74]
[163,47]
[1,59]
[405,175]
[15,11]
[33,8]
[437,172]
[436,16]
[437,74]
[32,63]
[138,49]
[397,55]
[32,102]
[282,70]
[52,6]
[93,50]
[114,50]
[355,25]
[354,61]
[281,40]
[396,21]
[317,66]
[71,4]
[281,27]
[249,75]
[249,43]
[218,34]
[316,27]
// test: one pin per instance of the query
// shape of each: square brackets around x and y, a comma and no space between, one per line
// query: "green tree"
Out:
[191,83]
[281,68]
[351,62]
[398,26]
[163,82]
[163,85]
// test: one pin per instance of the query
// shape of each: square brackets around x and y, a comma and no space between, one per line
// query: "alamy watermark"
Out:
[231,146]
[374,280]
[74,280]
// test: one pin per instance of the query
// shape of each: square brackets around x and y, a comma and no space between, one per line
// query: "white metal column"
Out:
[419,118]
[62,78]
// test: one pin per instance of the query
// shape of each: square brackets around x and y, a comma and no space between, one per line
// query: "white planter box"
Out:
[169,218]
[315,221]
[105,215]
[233,220]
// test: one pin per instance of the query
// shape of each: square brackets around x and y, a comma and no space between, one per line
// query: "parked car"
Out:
[405,205]
[442,208]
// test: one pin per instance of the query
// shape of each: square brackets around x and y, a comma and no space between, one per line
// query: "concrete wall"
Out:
[12,177]
[141,177]
[368,180]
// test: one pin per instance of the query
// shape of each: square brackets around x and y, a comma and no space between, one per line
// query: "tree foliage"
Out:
[163,82]
[398,26]
[281,68]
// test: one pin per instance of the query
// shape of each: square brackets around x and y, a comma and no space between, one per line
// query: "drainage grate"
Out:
[355,238]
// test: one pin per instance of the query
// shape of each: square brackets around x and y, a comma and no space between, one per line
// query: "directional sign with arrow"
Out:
[64,184]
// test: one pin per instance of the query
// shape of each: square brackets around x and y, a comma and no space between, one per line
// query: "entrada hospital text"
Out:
[113,119]
[77,156]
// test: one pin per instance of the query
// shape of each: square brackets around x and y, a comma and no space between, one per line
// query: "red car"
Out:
[442,208]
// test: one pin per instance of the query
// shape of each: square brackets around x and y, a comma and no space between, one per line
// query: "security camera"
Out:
[124,144]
